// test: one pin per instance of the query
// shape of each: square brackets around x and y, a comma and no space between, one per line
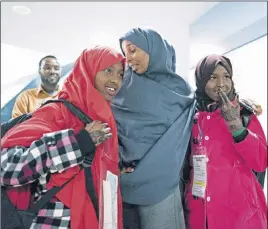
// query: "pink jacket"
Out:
[234,199]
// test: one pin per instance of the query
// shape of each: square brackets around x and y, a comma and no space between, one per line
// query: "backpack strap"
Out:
[90,189]
[86,165]
[245,113]
[74,109]
[47,197]
[6,126]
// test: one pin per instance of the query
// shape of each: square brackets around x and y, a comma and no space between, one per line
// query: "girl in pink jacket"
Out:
[223,192]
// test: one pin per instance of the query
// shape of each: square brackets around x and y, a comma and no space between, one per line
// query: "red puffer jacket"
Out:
[233,199]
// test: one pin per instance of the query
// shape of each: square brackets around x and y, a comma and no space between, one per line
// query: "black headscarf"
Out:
[203,72]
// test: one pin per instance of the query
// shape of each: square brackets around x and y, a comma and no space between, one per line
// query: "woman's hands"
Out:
[98,131]
[231,112]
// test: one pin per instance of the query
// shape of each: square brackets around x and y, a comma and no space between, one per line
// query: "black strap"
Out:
[74,109]
[48,196]
[90,190]
[6,126]
[86,165]
[90,184]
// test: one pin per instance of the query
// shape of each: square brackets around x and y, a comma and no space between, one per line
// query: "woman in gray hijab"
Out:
[153,111]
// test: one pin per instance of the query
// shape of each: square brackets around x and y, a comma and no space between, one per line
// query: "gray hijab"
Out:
[154,113]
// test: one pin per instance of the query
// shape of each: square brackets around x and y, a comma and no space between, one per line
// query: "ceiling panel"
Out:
[65,28]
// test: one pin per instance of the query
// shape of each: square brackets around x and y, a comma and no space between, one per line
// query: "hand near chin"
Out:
[231,112]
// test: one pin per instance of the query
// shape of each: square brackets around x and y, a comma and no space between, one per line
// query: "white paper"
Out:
[200,175]
[110,201]
[107,203]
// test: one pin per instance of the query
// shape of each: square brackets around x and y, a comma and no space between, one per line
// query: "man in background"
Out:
[29,100]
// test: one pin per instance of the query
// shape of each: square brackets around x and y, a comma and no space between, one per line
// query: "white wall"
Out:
[250,73]
[16,64]
[180,39]
[18,67]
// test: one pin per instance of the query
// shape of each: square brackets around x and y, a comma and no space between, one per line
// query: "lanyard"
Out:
[200,134]
[201,131]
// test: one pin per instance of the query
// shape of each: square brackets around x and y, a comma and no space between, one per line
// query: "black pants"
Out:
[131,217]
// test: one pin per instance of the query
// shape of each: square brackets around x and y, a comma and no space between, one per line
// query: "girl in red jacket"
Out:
[48,149]
[223,192]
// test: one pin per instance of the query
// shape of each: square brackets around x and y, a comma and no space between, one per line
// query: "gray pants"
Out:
[167,214]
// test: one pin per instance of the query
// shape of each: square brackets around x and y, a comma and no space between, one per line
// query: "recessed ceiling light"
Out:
[23,10]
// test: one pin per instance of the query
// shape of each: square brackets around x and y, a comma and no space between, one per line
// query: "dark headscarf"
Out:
[203,72]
